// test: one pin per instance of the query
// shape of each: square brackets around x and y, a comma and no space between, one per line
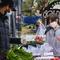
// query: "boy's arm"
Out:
[58,34]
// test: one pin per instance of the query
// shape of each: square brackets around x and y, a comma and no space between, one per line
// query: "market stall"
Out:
[34,44]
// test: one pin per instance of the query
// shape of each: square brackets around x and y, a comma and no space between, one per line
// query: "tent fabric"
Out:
[31,19]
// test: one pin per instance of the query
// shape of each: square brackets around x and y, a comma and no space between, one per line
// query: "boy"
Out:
[53,33]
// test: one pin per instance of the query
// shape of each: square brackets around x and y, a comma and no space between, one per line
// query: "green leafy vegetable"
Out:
[19,54]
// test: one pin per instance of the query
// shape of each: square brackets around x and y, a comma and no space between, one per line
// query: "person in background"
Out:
[40,27]
[40,30]
[53,33]
[6,8]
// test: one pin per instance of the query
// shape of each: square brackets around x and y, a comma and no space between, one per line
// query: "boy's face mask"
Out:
[53,24]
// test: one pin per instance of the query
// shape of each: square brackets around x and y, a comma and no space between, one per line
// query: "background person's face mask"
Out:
[9,13]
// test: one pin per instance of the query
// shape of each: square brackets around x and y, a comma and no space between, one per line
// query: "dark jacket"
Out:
[4,34]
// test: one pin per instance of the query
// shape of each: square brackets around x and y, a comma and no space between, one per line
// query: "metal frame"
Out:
[49,9]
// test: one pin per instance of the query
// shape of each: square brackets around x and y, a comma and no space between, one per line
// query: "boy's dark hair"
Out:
[51,18]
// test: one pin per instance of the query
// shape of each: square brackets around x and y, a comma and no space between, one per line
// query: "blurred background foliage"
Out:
[29,7]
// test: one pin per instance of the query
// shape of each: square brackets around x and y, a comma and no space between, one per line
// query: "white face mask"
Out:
[9,13]
[53,24]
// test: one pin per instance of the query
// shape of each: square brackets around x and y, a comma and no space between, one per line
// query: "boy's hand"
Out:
[58,38]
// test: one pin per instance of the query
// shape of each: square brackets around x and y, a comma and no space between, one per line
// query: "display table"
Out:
[39,51]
